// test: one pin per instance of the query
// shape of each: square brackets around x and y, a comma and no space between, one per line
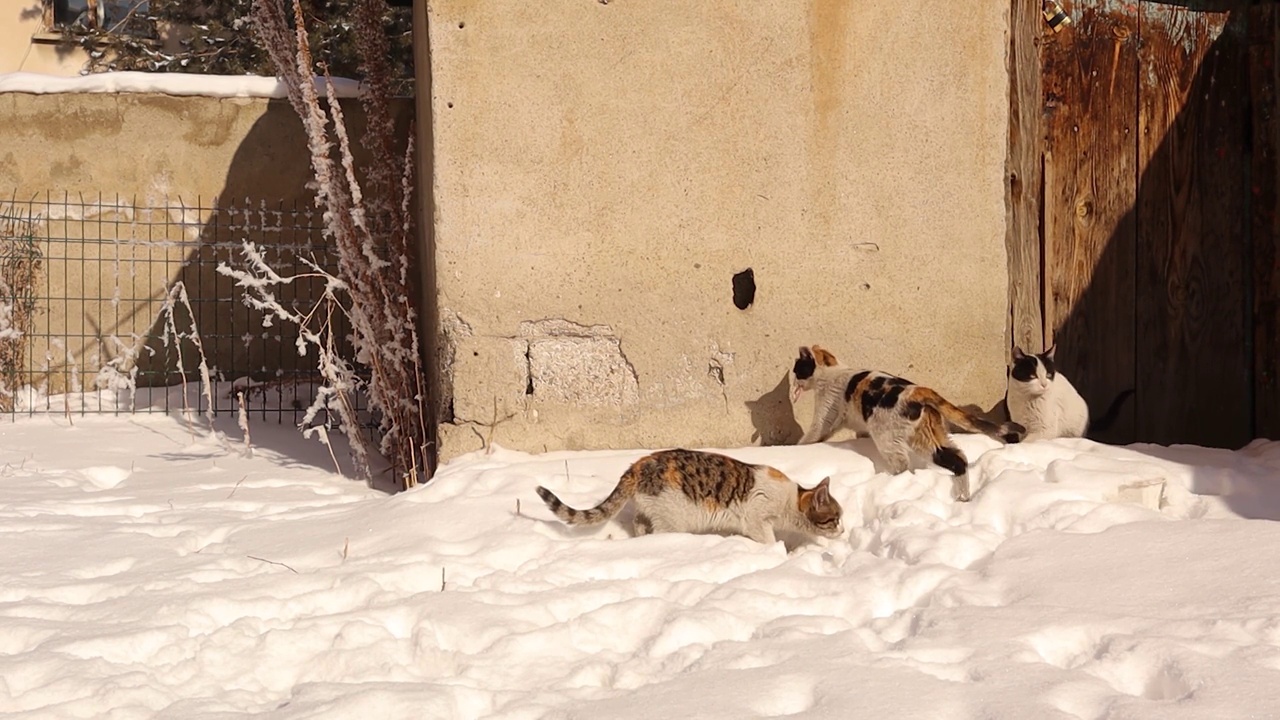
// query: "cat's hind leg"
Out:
[641,525]
[890,443]
[930,439]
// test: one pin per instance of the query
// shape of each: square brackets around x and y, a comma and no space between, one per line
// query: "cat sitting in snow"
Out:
[699,492]
[1043,401]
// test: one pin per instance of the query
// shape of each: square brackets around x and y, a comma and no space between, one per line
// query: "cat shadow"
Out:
[862,446]
[773,417]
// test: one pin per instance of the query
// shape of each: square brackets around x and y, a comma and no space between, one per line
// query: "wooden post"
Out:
[1023,237]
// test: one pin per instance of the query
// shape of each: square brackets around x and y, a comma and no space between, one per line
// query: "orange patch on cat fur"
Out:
[805,500]
[671,476]
[824,358]
[775,474]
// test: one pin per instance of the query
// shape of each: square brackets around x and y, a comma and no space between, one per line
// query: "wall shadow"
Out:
[265,199]
[1170,309]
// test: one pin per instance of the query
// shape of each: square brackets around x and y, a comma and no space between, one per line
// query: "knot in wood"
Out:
[1084,208]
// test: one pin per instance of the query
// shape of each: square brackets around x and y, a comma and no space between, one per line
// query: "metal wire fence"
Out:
[88,325]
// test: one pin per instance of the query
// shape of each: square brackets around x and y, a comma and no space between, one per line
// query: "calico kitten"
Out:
[901,417]
[700,492]
[1043,400]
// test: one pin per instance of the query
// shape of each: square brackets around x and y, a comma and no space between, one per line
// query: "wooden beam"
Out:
[1024,176]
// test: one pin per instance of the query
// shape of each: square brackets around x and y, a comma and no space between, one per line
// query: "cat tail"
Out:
[1007,432]
[625,489]
[930,440]
[1113,412]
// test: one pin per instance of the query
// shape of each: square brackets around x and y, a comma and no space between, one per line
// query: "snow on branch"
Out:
[372,229]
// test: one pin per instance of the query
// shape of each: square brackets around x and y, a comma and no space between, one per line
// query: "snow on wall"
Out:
[182,84]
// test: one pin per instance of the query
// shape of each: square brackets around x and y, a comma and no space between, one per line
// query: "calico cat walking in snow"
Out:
[700,492]
[901,417]
[1047,404]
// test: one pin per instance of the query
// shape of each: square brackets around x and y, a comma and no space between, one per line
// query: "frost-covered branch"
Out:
[372,230]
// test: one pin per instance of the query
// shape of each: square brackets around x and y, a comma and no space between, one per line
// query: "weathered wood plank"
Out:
[1026,145]
[1193,369]
[1265,232]
[1090,83]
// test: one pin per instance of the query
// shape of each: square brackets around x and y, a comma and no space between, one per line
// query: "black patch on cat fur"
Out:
[951,459]
[1024,368]
[868,402]
[912,410]
[1050,370]
[854,382]
[883,392]
[890,397]
[643,524]
[804,367]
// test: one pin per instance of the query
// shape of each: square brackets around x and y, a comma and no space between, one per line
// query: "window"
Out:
[123,16]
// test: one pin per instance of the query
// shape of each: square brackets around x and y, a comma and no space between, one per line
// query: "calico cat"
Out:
[698,492]
[901,417]
[1043,400]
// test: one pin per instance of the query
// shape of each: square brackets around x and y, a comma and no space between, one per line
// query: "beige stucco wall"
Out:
[26,47]
[603,169]
[124,156]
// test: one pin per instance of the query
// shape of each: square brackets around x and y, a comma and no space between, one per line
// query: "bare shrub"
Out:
[371,226]
[20,266]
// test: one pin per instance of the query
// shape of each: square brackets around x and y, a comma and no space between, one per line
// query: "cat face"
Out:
[1034,372]
[806,367]
[822,510]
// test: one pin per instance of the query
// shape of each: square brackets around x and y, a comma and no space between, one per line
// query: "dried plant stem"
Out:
[372,228]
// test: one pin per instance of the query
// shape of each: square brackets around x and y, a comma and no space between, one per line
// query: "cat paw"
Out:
[1012,432]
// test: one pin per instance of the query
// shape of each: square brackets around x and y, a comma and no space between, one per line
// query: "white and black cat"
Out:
[902,418]
[1042,399]
[701,492]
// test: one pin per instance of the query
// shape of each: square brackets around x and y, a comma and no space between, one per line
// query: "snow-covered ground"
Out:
[146,571]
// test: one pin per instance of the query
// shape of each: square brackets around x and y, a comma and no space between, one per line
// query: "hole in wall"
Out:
[449,104]
[744,289]
[462,25]
[528,360]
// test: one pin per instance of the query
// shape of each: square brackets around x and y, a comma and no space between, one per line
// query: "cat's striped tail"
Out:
[598,514]
[1008,432]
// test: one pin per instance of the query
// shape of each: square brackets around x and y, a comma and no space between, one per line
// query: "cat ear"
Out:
[805,352]
[1049,353]
[1017,353]
[821,491]
[824,358]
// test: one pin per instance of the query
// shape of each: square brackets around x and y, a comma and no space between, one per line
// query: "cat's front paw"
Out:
[1012,432]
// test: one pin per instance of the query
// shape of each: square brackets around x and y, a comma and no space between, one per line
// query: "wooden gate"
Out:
[1142,232]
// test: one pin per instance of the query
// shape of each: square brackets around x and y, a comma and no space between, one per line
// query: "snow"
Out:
[219,86]
[153,570]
